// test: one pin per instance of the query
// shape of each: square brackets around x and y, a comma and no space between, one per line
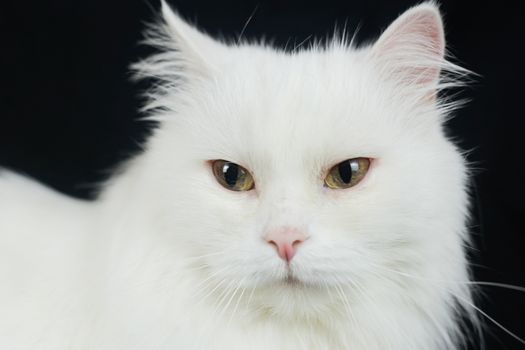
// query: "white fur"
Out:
[166,258]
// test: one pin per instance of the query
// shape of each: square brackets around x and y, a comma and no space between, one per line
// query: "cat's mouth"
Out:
[292,281]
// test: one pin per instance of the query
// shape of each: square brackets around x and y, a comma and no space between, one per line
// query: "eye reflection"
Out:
[347,173]
[232,176]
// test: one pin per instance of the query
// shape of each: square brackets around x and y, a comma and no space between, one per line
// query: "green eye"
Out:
[232,176]
[347,174]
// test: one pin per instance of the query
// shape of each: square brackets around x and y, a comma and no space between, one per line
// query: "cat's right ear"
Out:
[186,52]
[411,51]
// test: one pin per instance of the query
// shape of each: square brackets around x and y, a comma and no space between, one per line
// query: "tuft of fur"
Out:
[166,258]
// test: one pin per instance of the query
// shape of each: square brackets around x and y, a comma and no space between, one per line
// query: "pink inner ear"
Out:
[412,48]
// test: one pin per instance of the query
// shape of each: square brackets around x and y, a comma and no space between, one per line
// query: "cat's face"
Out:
[288,119]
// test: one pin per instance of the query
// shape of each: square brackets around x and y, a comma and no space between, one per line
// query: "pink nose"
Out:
[286,240]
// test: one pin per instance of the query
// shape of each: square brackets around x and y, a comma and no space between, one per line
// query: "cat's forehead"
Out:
[324,103]
[315,77]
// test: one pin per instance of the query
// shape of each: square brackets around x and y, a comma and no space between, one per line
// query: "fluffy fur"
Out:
[166,258]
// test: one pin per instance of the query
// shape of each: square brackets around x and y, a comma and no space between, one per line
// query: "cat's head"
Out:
[355,186]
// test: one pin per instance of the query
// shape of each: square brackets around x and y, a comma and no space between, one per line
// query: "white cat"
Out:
[303,200]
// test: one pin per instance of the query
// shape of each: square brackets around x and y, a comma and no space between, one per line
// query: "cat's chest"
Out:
[191,327]
[256,337]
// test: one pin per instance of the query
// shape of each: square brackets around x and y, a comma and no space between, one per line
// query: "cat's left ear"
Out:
[410,52]
[197,49]
[186,52]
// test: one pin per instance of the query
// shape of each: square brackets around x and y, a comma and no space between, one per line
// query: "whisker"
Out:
[253,291]
[479,283]
[469,303]
[237,304]
[221,297]
[363,294]
[191,258]
[213,275]
[211,291]
[490,318]
[239,285]
[346,304]
[246,24]
[296,47]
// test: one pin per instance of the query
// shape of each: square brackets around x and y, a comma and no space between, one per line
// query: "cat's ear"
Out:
[186,52]
[197,49]
[411,50]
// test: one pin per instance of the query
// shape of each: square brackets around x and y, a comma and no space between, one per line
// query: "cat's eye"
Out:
[347,174]
[232,176]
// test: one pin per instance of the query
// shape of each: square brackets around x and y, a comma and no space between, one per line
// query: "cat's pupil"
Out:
[345,171]
[231,173]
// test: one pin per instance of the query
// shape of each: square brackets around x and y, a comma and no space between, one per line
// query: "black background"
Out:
[68,109]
